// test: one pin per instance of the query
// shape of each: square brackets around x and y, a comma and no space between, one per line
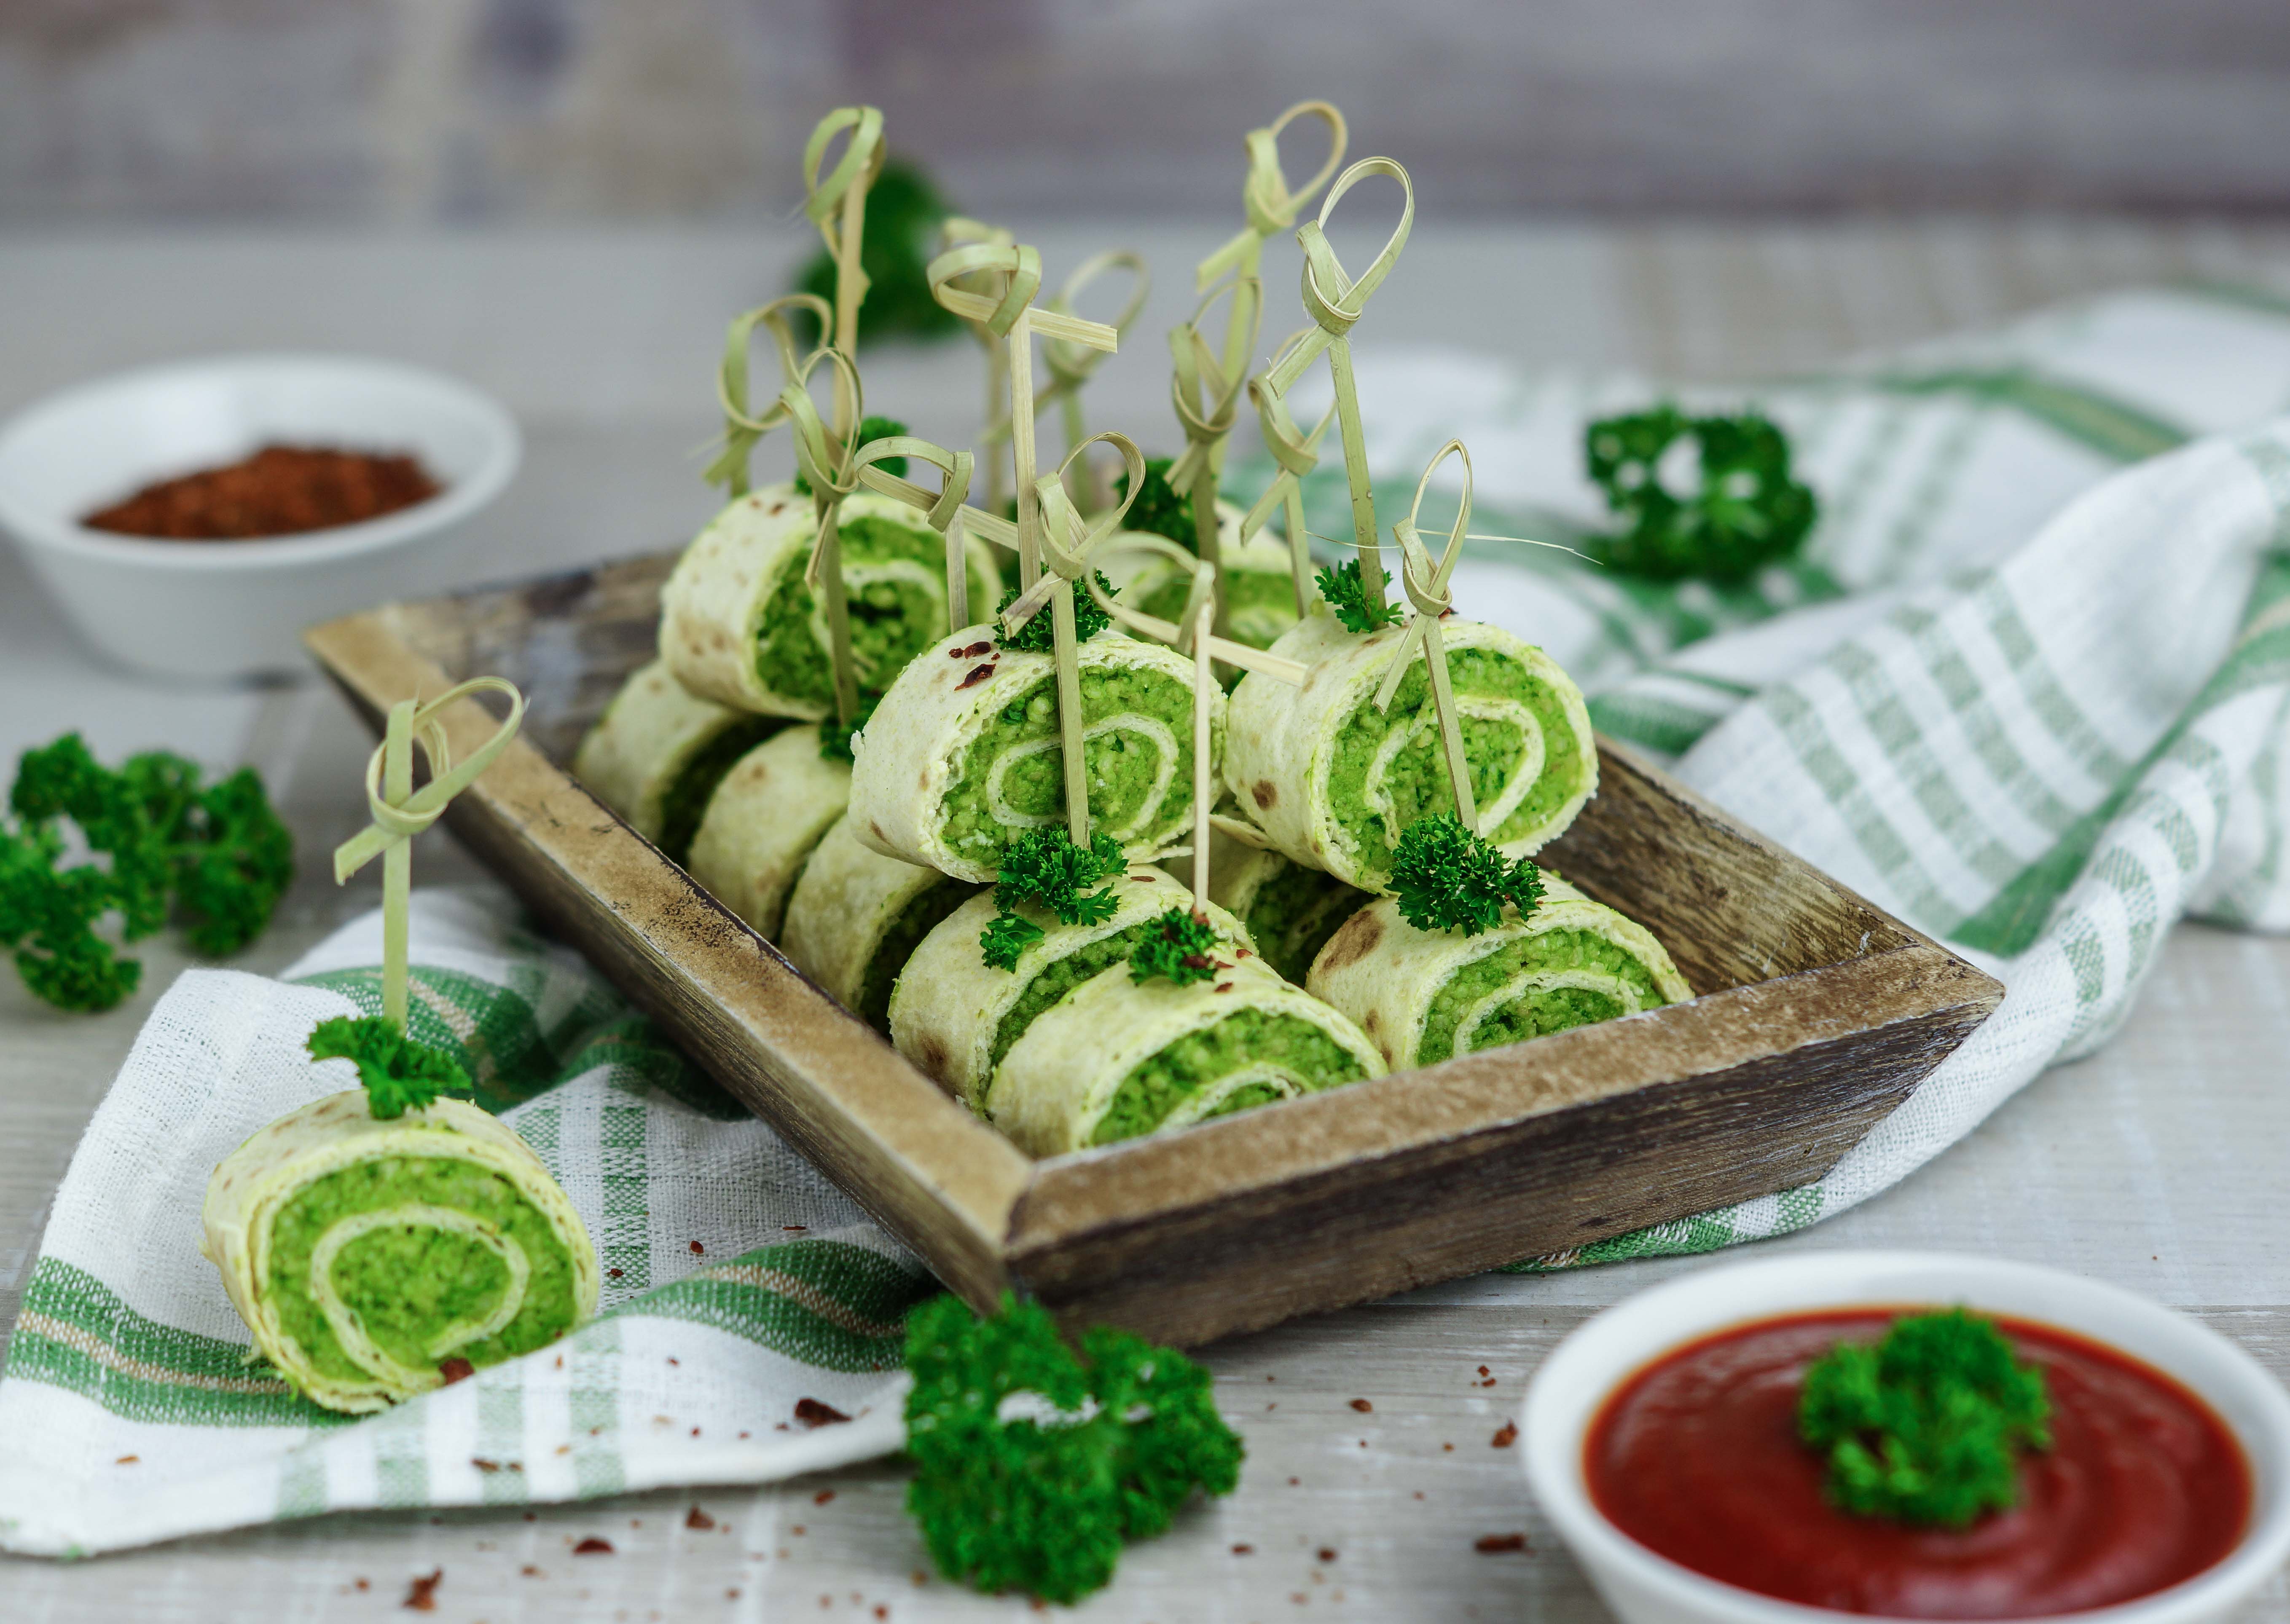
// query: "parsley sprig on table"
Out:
[1180,947]
[399,1074]
[1044,867]
[1347,594]
[1032,1465]
[1747,512]
[1447,878]
[1925,1426]
[1039,635]
[214,857]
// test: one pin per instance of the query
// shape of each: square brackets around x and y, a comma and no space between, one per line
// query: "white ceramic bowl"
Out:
[1645,1589]
[224,609]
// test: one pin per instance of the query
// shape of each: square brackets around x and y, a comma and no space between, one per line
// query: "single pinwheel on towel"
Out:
[376,1256]
[383,1242]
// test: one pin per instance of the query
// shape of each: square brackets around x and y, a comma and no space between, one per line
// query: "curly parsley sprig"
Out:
[214,857]
[399,1074]
[1039,635]
[1748,511]
[1447,878]
[1033,1465]
[1044,867]
[1925,1426]
[1347,594]
[1180,947]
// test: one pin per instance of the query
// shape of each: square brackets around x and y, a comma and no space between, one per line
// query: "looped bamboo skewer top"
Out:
[1295,454]
[837,205]
[1074,545]
[1205,395]
[1072,365]
[741,428]
[1335,301]
[958,231]
[1426,583]
[1012,319]
[1271,205]
[400,812]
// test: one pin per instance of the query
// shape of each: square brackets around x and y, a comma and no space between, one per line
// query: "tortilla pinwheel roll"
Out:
[1288,910]
[738,625]
[658,752]
[1332,780]
[962,757]
[956,1016]
[856,917]
[1121,1058]
[375,1261]
[772,808]
[1425,997]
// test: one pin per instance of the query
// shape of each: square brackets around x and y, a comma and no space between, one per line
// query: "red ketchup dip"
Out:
[1697,1458]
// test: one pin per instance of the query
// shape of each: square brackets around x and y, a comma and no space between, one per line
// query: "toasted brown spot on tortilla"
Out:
[1353,941]
[1264,793]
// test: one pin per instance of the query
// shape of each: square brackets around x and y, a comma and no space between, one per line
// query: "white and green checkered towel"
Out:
[2033,699]
[738,1281]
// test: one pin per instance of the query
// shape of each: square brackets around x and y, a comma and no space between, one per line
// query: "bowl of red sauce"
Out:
[190,519]
[1663,1441]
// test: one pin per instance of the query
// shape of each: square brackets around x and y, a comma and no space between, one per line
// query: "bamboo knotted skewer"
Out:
[1335,301]
[742,428]
[1072,365]
[1014,319]
[1426,583]
[1295,454]
[401,811]
[1074,544]
[960,232]
[1271,205]
[1207,395]
[837,205]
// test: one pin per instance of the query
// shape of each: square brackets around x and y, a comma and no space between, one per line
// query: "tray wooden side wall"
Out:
[1818,1014]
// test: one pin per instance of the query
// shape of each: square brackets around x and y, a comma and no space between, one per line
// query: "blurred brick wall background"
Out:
[447,111]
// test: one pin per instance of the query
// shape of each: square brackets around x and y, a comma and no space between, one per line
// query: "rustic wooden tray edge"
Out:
[1757,1087]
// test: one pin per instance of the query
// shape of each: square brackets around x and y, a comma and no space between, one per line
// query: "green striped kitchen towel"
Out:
[2028,687]
[737,1283]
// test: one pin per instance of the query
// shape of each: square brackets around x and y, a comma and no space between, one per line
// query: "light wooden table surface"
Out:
[2156,1164]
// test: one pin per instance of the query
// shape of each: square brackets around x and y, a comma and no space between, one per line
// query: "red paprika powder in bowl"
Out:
[190,519]
[1900,1435]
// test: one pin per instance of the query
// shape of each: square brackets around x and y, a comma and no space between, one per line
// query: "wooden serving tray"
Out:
[1818,1014]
